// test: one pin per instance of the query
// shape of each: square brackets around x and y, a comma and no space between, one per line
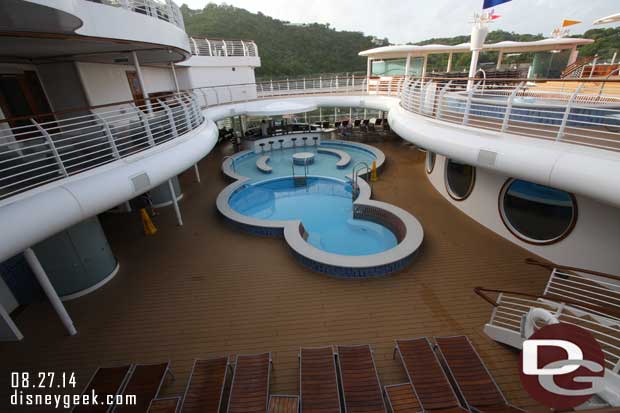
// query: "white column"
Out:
[369,68]
[424,65]
[49,290]
[175,202]
[473,67]
[574,54]
[136,64]
[174,76]
[500,55]
[197,172]
[449,68]
[408,64]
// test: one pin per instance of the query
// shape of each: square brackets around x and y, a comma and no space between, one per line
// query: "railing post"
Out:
[569,106]
[336,83]
[110,137]
[188,120]
[443,92]
[271,83]
[288,85]
[320,82]
[173,126]
[304,83]
[225,48]
[509,107]
[50,143]
[230,93]
[217,97]
[147,127]
[196,49]
[352,83]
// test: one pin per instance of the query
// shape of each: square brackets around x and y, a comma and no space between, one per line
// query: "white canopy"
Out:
[614,18]
[387,52]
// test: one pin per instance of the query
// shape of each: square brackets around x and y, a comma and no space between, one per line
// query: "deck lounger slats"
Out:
[283,404]
[105,381]
[165,405]
[472,376]
[144,383]
[250,386]
[318,381]
[205,386]
[402,398]
[426,375]
[360,384]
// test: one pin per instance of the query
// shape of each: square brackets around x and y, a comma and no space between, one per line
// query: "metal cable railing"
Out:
[202,46]
[38,152]
[511,309]
[572,112]
[47,148]
[164,10]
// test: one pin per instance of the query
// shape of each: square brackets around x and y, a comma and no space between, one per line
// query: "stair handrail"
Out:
[551,266]
[482,293]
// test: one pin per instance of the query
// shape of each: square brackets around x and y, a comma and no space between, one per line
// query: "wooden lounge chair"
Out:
[106,381]
[471,376]
[318,381]
[205,387]
[165,405]
[402,398]
[283,404]
[428,379]
[145,382]
[249,391]
[360,384]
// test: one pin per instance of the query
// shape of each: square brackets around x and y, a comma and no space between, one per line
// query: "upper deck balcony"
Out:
[207,52]
[93,27]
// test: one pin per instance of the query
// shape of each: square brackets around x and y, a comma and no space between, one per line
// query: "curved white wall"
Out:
[100,20]
[593,243]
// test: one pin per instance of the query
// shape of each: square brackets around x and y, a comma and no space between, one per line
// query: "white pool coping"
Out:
[293,231]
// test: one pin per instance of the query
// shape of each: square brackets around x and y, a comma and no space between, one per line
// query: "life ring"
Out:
[536,319]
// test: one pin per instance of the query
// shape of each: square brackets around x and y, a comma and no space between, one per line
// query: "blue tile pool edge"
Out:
[405,226]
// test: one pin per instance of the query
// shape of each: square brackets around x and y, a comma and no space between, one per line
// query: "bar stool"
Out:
[281,142]
[271,145]
[315,139]
[262,144]
[305,138]
[294,142]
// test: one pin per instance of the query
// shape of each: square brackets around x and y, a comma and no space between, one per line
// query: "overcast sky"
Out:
[403,21]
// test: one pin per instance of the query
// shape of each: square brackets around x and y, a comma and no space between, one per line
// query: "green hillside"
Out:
[293,50]
[284,49]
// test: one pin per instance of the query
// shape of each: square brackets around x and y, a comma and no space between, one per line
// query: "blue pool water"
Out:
[281,162]
[325,208]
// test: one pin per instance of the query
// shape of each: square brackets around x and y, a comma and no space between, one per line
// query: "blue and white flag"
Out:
[492,3]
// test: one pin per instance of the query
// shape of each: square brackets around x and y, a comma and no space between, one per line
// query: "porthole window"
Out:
[536,213]
[430,161]
[460,179]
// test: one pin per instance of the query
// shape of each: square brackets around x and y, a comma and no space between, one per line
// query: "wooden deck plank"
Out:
[204,290]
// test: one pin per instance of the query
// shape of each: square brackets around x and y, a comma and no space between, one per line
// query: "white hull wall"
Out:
[106,83]
[593,243]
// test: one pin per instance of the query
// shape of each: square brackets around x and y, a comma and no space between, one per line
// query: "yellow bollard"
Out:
[373,174]
[149,227]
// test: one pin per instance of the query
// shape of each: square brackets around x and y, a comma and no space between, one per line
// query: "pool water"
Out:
[325,209]
[281,160]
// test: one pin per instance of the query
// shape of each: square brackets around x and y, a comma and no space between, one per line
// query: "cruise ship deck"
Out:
[205,290]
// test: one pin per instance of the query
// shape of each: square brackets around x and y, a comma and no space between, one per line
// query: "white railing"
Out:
[57,146]
[511,309]
[202,46]
[165,10]
[573,112]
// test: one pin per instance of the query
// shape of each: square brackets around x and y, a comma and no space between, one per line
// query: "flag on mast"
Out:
[492,3]
[566,23]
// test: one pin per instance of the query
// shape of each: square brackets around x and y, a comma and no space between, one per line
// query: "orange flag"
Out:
[566,23]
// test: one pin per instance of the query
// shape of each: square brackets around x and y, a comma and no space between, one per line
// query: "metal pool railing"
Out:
[42,149]
[583,113]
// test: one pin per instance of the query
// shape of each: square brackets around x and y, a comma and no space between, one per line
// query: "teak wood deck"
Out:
[205,290]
